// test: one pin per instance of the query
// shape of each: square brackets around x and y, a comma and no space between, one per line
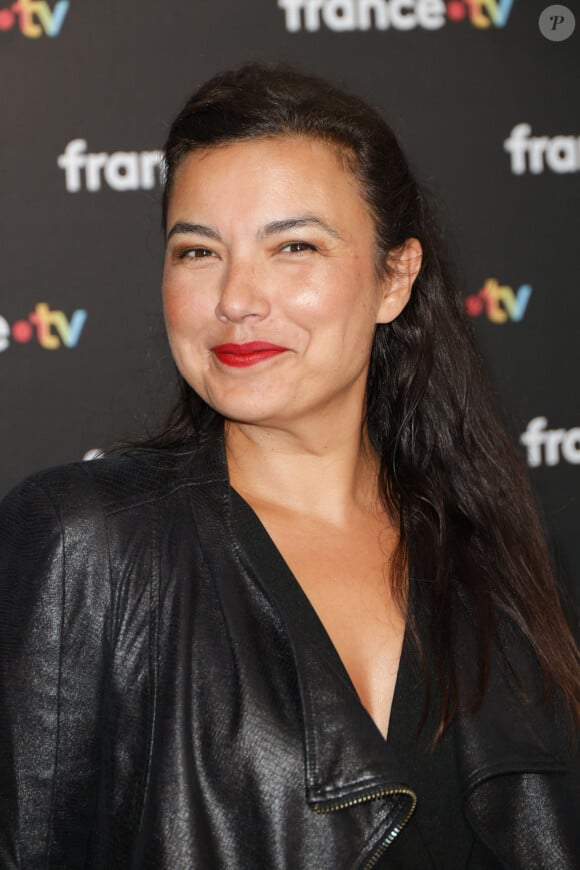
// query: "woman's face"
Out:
[270,285]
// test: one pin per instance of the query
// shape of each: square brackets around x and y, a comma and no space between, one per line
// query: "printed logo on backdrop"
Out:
[534,154]
[402,15]
[499,303]
[550,446]
[121,170]
[50,329]
[34,18]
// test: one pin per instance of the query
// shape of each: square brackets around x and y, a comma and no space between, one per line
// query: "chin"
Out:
[233,403]
[243,405]
[253,416]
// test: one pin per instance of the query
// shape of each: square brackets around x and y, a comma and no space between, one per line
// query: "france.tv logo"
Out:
[398,15]
[51,329]
[480,13]
[499,302]
[34,18]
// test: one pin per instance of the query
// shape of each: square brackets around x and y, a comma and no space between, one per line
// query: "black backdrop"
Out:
[484,104]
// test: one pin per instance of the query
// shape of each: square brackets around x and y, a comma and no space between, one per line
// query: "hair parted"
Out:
[449,473]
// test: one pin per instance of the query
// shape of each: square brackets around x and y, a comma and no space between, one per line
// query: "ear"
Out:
[403,266]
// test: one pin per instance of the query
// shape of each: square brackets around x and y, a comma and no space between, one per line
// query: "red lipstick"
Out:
[242,355]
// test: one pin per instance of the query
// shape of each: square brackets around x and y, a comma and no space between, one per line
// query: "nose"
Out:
[242,294]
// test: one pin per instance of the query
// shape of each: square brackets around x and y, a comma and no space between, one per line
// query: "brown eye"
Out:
[196,254]
[298,247]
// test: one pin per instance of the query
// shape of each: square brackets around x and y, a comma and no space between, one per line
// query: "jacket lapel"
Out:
[343,767]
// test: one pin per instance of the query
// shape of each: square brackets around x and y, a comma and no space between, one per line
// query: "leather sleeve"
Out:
[531,820]
[54,594]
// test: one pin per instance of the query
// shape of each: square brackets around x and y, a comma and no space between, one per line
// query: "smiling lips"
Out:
[243,355]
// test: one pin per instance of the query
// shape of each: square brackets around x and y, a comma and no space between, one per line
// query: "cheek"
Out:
[321,294]
[184,337]
[175,309]
[308,302]
[182,308]
[340,299]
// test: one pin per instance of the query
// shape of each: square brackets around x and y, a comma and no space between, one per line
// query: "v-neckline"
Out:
[347,759]
[263,549]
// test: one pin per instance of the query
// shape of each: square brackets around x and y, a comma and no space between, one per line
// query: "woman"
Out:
[312,624]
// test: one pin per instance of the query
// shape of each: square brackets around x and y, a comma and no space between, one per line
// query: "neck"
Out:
[328,476]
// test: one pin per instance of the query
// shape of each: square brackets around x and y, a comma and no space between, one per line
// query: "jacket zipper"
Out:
[393,833]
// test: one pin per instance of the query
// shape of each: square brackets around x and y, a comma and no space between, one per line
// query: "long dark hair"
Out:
[449,474]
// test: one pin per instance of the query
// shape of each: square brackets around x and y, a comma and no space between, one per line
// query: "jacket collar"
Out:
[509,733]
[340,768]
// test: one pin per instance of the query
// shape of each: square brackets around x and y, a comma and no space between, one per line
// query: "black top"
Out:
[437,837]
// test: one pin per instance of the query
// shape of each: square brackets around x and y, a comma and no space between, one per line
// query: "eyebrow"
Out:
[182,227]
[271,229]
[293,223]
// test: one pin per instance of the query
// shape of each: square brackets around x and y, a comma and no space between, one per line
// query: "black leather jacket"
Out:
[162,707]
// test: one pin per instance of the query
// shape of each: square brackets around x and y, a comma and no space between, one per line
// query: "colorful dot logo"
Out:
[456,11]
[499,302]
[34,18]
[480,13]
[51,329]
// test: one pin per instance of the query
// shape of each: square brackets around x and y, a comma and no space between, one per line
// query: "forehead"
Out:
[266,173]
